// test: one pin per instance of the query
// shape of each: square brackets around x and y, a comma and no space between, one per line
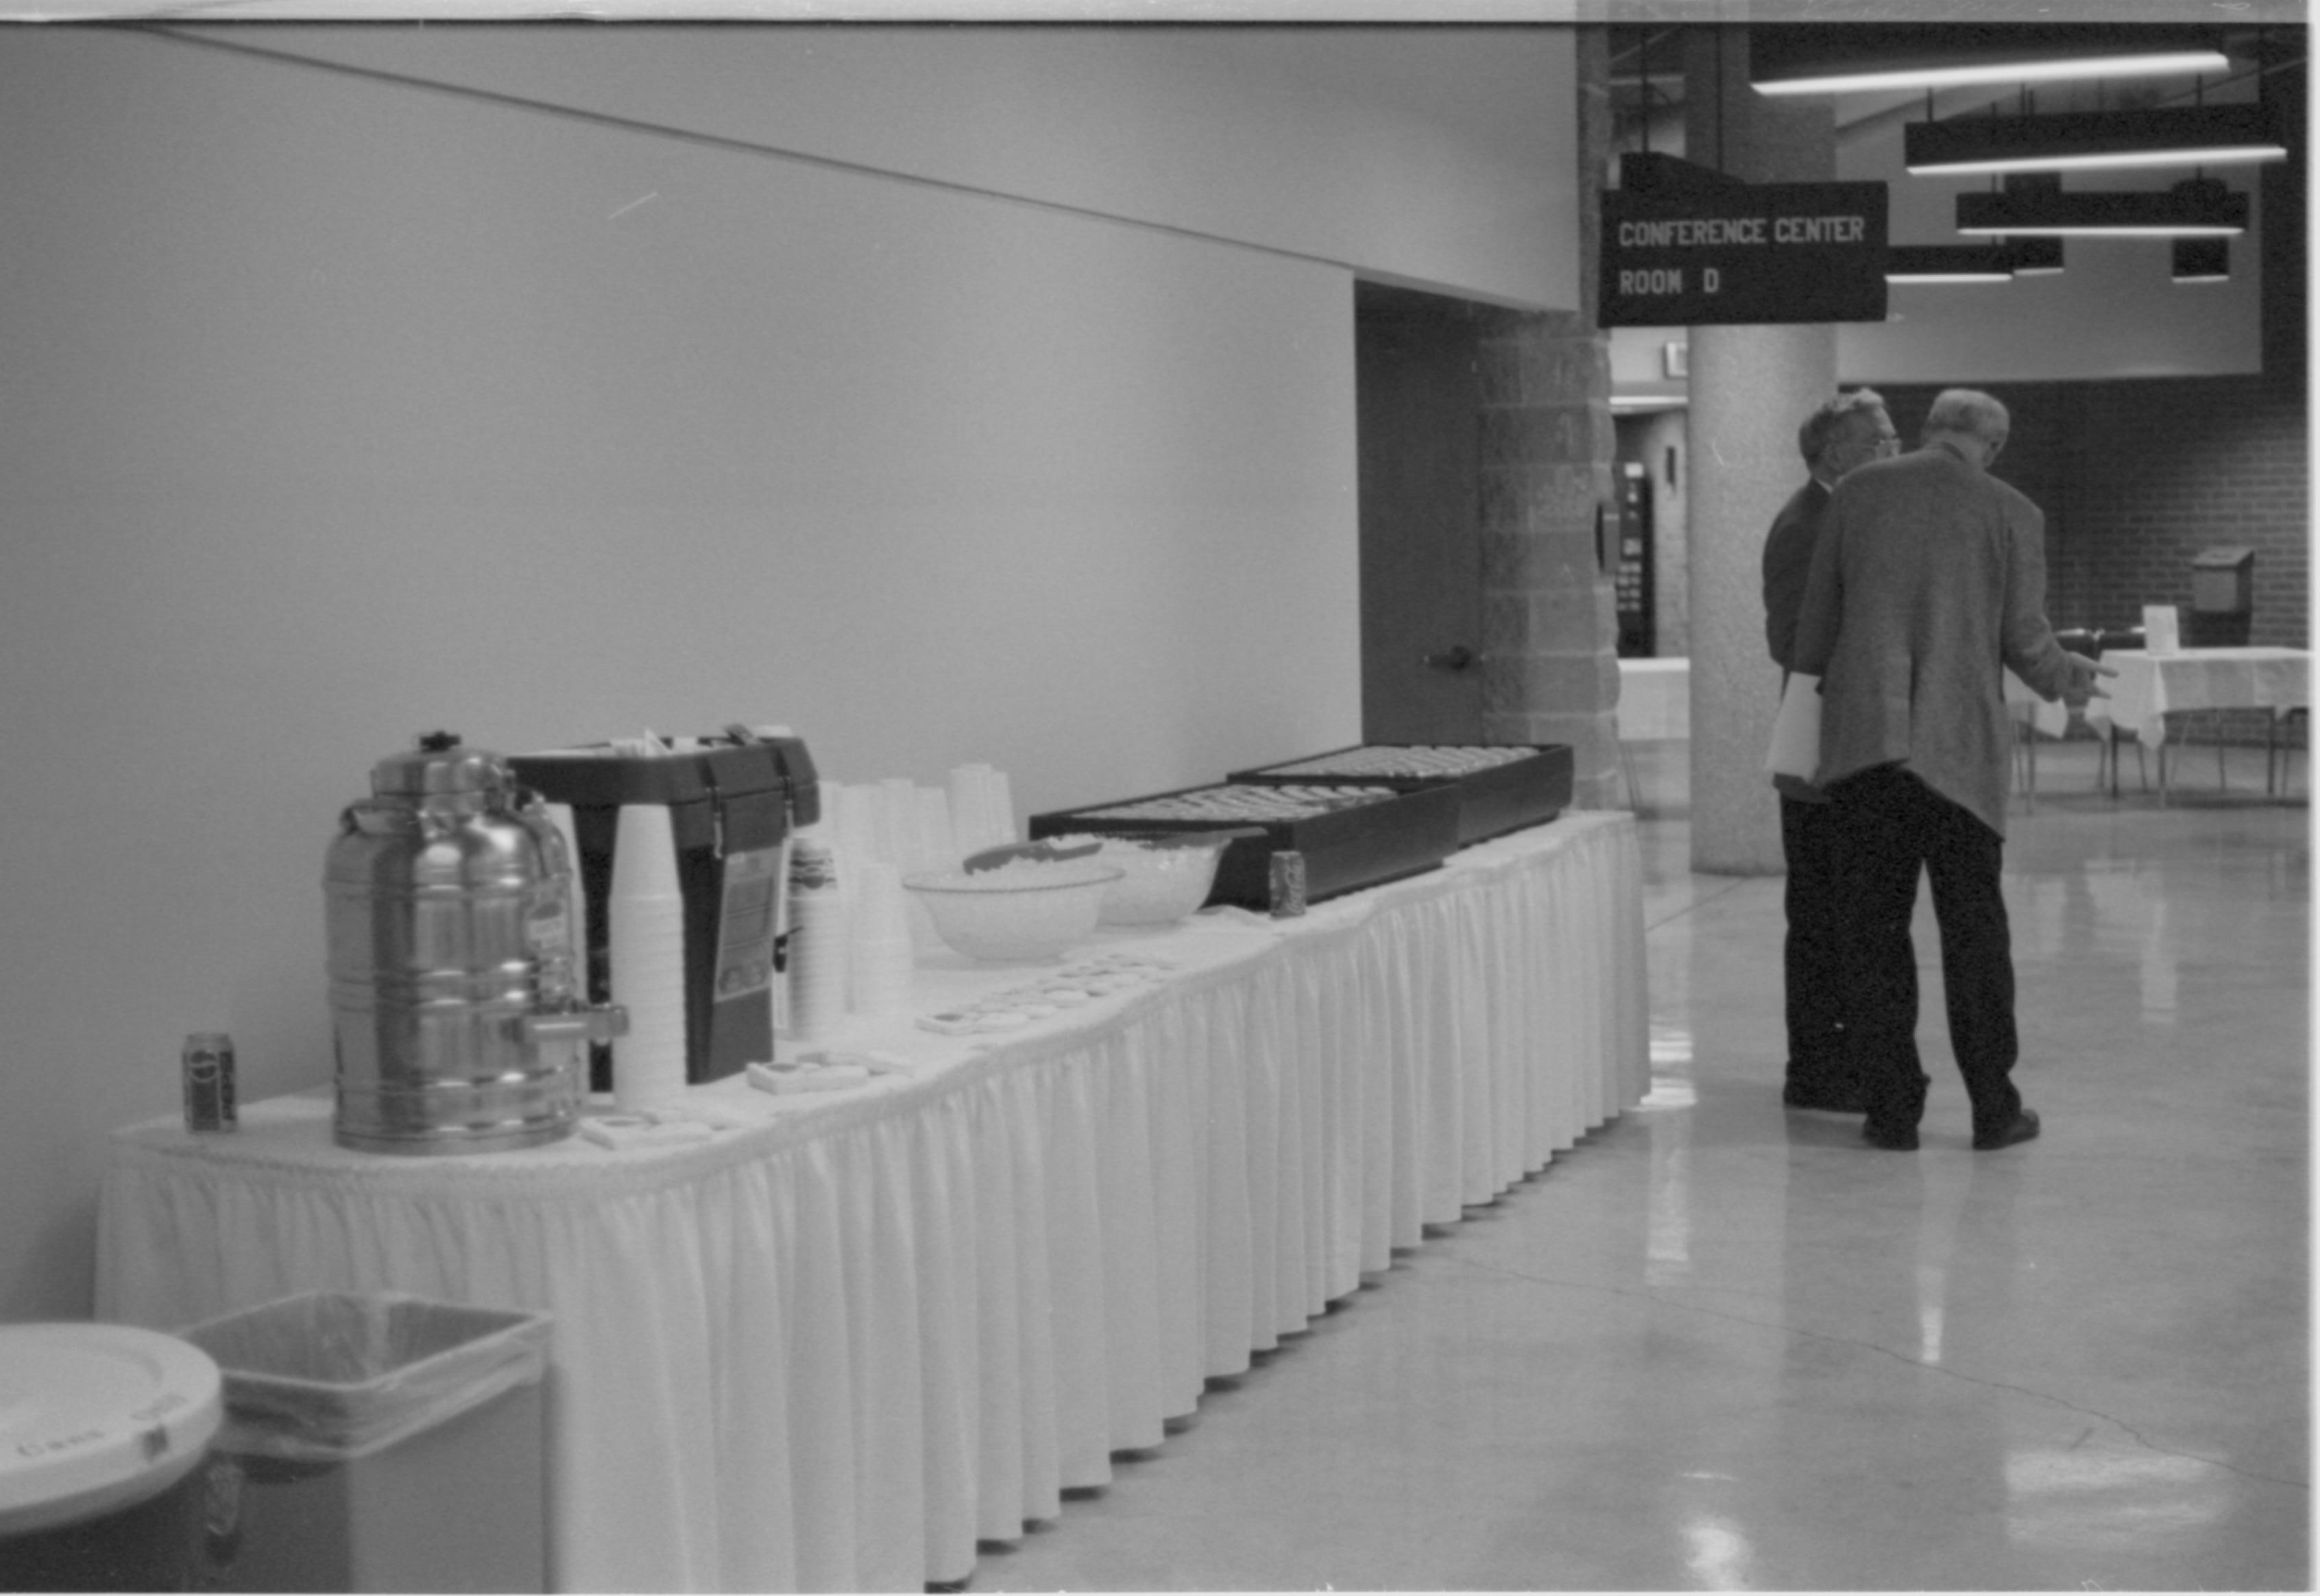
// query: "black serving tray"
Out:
[1492,801]
[1346,849]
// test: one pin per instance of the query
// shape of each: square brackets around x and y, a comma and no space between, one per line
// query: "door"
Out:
[1417,399]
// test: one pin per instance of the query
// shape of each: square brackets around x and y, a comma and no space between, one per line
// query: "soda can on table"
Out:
[1288,883]
[208,1066]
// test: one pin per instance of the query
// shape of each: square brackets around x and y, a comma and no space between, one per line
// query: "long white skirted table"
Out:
[835,1345]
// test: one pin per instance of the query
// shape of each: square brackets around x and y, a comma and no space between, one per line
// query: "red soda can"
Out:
[208,1063]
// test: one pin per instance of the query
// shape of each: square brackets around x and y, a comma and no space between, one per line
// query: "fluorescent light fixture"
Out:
[2166,63]
[2203,260]
[1637,403]
[2097,141]
[2197,207]
[1948,263]
[2035,258]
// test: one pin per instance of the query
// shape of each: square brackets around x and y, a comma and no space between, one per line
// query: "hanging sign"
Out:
[1718,255]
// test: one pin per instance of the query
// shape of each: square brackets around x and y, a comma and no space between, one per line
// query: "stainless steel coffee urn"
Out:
[455,999]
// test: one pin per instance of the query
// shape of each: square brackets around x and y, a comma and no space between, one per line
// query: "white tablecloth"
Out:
[831,1348]
[1655,699]
[2051,719]
[2149,686]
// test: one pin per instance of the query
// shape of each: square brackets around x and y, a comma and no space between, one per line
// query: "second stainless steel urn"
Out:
[455,1002]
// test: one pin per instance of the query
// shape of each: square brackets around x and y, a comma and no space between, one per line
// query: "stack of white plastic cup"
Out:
[939,851]
[938,844]
[645,914]
[1002,805]
[855,832]
[982,809]
[818,943]
[967,815]
[898,822]
[883,953]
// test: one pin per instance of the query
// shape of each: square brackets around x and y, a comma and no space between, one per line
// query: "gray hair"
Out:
[1821,427]
[1968,413]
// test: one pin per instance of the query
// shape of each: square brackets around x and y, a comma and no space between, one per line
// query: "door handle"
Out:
[1459,658]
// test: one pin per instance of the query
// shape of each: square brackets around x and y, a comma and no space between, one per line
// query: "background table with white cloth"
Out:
[1655,699]
[835,1345]
[1655,706]
[2149,687]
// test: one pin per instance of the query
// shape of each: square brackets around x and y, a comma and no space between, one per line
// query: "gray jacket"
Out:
[1930,574]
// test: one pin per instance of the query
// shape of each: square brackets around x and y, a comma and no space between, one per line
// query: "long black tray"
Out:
[1492,801]
[1346,849]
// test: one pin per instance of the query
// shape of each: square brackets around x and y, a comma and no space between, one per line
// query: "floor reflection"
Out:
[1720,1345]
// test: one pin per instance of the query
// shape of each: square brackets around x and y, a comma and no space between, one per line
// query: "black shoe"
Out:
[1829,1099]
[1904,1141]
[2025,1127]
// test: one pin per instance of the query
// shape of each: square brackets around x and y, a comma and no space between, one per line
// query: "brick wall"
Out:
[1550,667]
[2137,477]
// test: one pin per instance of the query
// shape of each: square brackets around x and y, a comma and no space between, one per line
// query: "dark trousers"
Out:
[1812,958]
[1891,826]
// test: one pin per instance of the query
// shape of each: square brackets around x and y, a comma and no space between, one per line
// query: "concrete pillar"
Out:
[1750,387]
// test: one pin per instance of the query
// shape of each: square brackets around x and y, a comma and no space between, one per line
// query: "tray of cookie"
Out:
[1351,835]
[1501,787]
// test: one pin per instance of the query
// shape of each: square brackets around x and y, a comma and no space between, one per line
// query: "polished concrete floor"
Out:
[1723,1345]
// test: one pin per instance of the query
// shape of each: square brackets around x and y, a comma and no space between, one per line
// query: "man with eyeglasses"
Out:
[1847,430]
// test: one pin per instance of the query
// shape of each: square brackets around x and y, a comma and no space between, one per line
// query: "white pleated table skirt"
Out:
[836,1346]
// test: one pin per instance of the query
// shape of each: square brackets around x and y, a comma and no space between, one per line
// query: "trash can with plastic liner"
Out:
[104,1438]
[386,1443]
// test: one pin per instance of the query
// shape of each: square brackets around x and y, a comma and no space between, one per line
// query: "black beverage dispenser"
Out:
[733,801]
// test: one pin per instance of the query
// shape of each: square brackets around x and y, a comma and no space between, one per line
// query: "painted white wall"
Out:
[1437,156]
[334,409]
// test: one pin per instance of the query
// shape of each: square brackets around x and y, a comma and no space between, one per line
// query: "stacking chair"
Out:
[2077,640]
[2275,746]
[2110,640]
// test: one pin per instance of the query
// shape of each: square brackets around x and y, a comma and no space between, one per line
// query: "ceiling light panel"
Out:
[1869,80]
[2034,258]
[1824,57]
[2198,208]
[1948,263]
[2202,261]
[2203,135]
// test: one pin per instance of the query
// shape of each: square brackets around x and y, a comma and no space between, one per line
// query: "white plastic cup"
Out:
[937,843]
[970,807]
[644,853]
[818,962]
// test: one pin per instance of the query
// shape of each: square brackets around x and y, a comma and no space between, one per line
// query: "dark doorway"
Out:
[1418,402]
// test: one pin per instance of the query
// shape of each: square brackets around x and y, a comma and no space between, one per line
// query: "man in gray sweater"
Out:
[1929,574]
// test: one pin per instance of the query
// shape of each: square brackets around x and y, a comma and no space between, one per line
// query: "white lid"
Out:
[97,1416]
